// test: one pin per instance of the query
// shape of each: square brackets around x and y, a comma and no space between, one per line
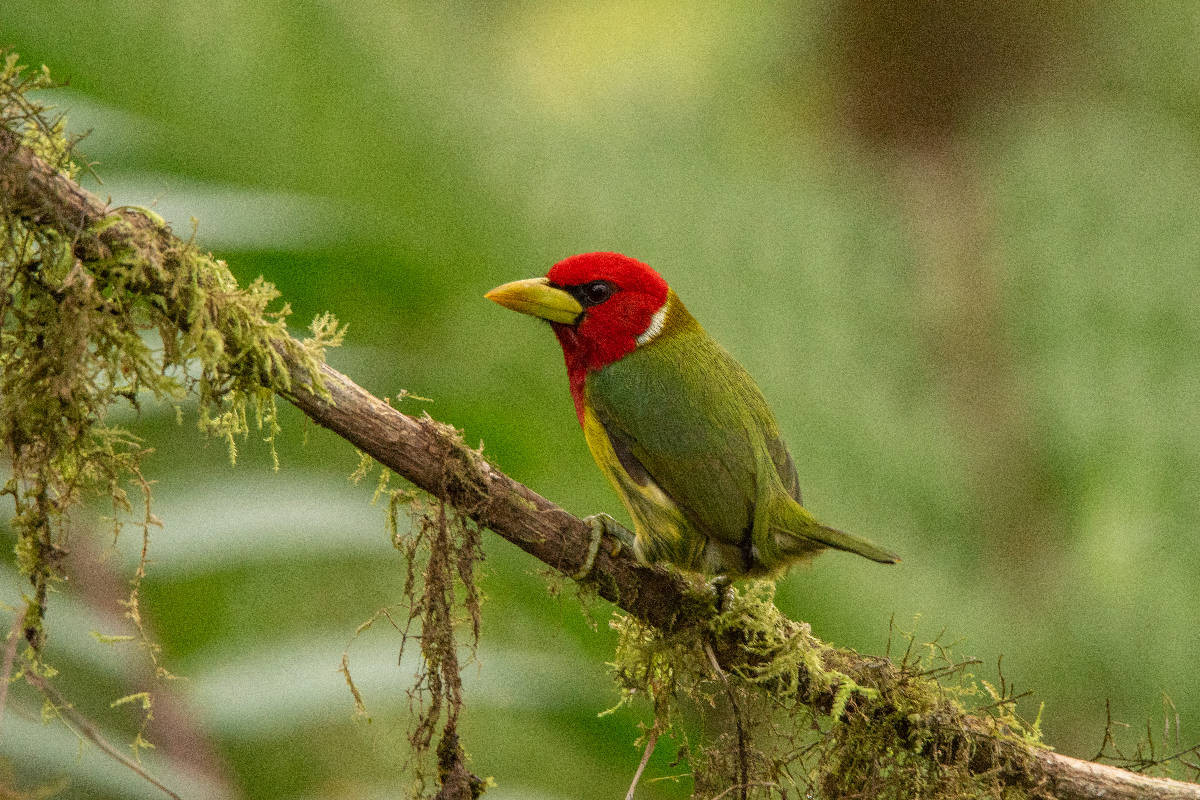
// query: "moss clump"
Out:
[729,693]
[786,713]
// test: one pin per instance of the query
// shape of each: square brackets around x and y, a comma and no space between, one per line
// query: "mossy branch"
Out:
[904,715]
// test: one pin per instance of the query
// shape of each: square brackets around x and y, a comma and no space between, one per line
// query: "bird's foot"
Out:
[720,584]
[601,524]
[620,535]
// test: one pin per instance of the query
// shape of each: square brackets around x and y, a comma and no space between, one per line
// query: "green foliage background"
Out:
[391,163]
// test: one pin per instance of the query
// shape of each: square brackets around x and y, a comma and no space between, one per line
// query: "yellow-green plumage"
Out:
[685,437]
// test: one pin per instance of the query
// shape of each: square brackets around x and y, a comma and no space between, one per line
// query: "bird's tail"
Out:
[840,540]
[795,530]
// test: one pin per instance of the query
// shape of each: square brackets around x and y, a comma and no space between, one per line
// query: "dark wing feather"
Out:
[785,467]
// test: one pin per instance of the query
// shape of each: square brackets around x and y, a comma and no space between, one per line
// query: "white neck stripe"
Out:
[656,324]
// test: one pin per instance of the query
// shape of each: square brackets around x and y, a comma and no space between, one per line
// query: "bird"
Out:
[677,426]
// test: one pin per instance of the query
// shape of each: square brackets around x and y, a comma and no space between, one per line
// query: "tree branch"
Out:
[434,457]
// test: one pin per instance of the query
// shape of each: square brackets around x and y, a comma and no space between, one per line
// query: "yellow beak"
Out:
[537,298]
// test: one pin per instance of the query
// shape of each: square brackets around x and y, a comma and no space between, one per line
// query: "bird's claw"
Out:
[601,524]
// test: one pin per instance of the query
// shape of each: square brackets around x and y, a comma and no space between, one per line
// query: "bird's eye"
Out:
[596,292]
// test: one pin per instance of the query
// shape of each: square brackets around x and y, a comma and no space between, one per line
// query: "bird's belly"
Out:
[662,532]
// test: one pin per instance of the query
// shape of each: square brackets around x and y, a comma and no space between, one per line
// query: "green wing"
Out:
[693,418]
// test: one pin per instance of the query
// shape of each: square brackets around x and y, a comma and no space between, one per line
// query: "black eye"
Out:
[596,292]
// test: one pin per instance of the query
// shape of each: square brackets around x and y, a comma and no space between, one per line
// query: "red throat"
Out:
[575,354]
[609,330]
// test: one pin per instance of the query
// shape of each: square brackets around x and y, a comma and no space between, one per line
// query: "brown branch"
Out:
[433,456]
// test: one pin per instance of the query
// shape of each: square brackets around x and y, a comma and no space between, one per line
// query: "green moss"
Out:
[116,313]
[791,713]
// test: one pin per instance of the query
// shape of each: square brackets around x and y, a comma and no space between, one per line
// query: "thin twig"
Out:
[1108,734]
[10,654]
[945,670]
[637,776]
[87,730]
[1005,701]
[743,765]
[761,784]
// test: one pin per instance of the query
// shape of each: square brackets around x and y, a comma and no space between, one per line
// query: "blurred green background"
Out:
[956,244]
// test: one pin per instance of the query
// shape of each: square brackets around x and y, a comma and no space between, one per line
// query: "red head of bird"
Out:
[599,304]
